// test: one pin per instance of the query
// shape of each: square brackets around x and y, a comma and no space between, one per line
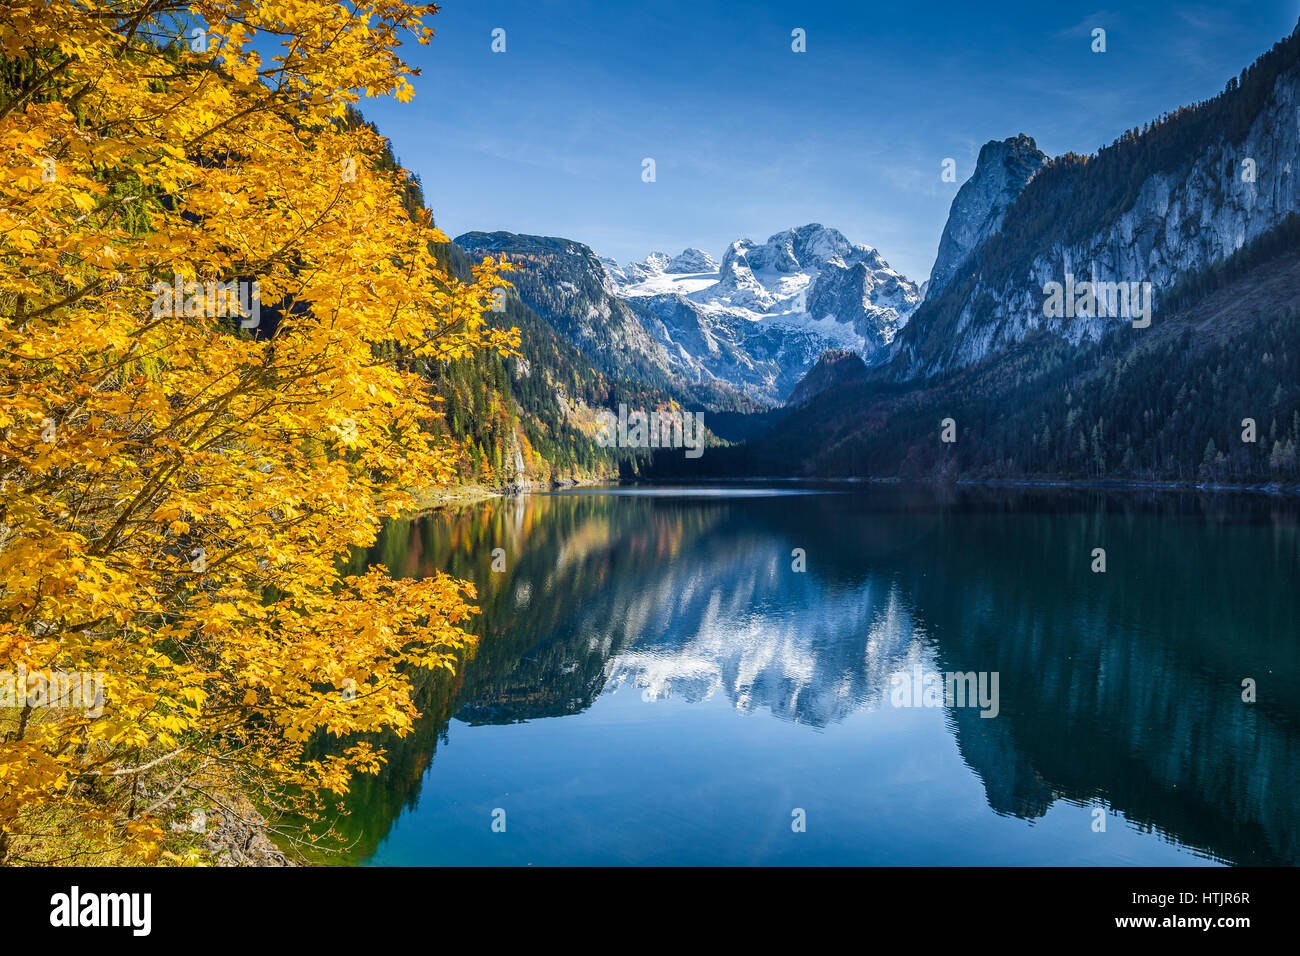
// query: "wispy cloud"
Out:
[1105,19]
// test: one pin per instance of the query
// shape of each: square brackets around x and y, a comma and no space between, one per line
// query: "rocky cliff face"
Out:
[1212,178]
[1001,172]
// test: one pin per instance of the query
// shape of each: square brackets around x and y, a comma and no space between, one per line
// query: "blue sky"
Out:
[750,138]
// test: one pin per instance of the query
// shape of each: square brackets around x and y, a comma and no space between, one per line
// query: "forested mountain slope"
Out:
[1161,203]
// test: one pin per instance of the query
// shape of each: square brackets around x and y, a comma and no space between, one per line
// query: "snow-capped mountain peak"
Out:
[691,261]
[806,274]
[775,305]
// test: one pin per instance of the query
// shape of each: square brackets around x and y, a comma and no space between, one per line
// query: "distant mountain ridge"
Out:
[566,284]
[751,324]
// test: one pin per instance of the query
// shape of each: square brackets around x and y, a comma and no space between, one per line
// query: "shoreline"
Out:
[437,497]
[1275,489]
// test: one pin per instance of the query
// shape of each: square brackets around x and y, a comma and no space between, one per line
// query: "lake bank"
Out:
[1078,484]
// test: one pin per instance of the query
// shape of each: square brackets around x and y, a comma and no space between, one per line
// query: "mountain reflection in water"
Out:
[671,625]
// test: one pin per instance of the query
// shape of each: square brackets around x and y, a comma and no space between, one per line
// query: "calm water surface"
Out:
[656,684]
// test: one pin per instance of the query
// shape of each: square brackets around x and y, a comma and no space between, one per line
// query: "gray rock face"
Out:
[737,285]
[977,211]
[616,272]
[1179,223]
[874,301]
[764,358]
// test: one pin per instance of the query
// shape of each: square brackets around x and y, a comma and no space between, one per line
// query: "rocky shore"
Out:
[231,833]
[241,840]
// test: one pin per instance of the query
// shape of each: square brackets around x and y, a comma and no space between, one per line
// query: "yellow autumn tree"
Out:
[210,296]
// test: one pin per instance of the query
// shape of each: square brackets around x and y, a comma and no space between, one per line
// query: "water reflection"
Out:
[1122,689]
